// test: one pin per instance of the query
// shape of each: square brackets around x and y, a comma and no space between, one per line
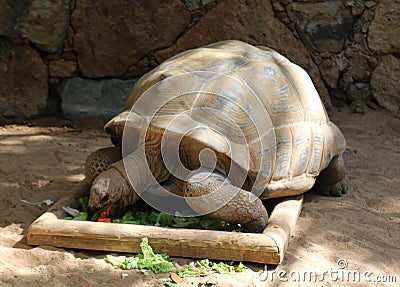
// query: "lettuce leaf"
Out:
[147,260]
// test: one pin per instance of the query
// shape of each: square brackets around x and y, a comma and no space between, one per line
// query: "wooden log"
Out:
[283,220]
[263,248]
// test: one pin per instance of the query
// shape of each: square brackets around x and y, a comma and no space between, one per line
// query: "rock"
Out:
[384,31]
[360,68]
[282,16]
[359,107]
[369,4]
[62,68]
[42,22]
[68,42]
[278,7]
[360,65]
[23,80]
[111,36]
[357,9]
[330,72]
[253,22]
[93,98]
[324,25]
[196,4]
[359,92]
[385,83]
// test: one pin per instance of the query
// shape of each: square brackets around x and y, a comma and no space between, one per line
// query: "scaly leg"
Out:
[244,208]
[99,161]
[332,181]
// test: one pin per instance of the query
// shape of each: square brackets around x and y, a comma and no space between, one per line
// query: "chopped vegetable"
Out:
[90,271]
[104,217]
[151,217]
[168,282]
[83,202]
[71,211]
[205,266]
[76,214]
[145,218]
[96,215]
[147,260]
[39,203]
[124,275]
[240,267]
[116,261]
[175,278]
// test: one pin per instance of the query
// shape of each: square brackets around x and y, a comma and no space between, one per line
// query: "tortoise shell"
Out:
[248,104]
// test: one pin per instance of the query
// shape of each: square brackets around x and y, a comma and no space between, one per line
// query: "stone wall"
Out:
[81,57]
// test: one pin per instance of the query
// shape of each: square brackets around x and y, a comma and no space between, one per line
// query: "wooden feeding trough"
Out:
[266,248]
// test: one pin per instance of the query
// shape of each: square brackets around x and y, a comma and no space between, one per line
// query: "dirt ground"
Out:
[44,159]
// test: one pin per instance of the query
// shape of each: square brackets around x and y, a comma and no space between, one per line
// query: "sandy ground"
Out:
[45,160]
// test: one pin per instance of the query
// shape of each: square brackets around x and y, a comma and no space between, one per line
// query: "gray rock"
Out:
[93,98]
[112,36]
[42,22]
[324,25]
[23,81]
[384,31]
[385,83]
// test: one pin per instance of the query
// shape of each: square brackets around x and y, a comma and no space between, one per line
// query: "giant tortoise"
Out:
[221,127]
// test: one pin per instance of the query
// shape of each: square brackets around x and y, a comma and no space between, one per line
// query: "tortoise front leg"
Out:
[99,161]
[244,208]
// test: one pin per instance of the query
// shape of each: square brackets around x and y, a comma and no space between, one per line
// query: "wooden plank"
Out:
[265,248]
[283,220]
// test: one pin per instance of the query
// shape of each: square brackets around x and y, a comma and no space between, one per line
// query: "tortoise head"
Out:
[110,189]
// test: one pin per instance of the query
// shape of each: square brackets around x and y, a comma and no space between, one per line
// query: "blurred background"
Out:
[80,58]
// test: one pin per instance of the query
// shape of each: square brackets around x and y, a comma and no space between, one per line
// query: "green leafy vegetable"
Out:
[39,203]
[190,270]
[205,266]
[96,215]
[147,260]
[145,218]
[84,202]
[90,271]
[154,218]
[240,267]
[76,214]
[168,282]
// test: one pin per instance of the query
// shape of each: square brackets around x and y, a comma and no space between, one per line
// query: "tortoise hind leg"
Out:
[332,181]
